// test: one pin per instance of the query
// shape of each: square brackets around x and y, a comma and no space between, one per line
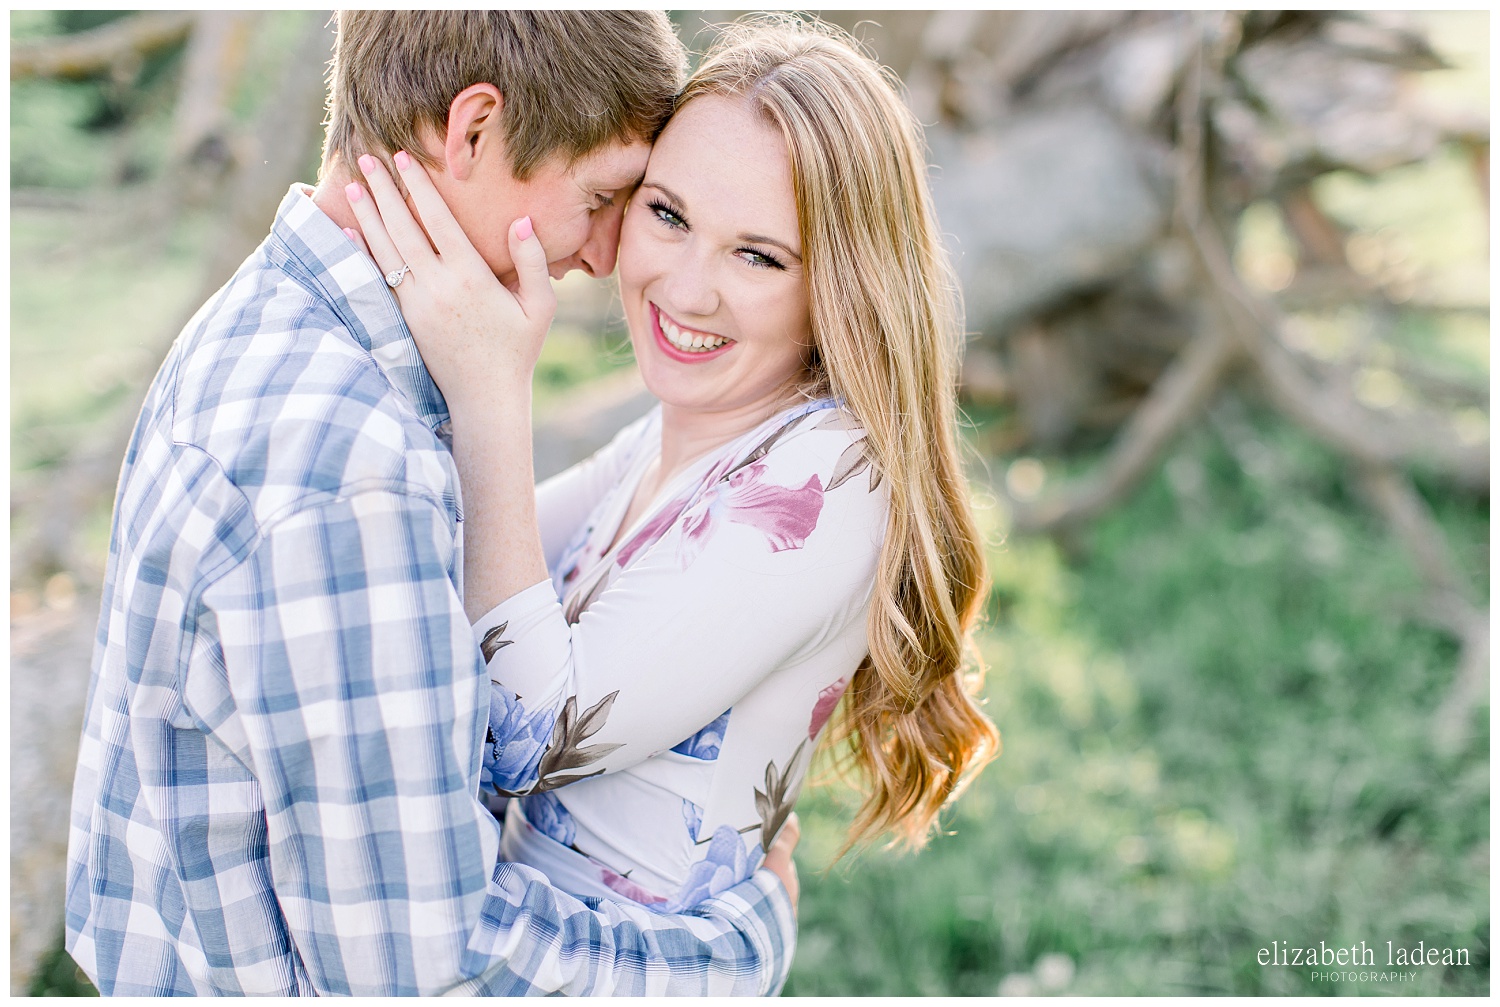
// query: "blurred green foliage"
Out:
[60,976]
[78,134]
[49,145]
[88,307]
[571,356]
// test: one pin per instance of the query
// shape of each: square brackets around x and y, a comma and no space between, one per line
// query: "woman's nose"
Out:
[690,285]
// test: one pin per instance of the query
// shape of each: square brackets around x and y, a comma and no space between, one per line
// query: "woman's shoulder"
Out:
[822,424]
[804,479]
[823,438]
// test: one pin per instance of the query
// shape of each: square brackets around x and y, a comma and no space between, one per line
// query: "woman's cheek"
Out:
[635,252]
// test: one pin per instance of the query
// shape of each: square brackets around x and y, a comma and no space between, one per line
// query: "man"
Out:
[277,784]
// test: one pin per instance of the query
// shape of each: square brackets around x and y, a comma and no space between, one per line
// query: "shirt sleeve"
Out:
[364,704]
[759,573]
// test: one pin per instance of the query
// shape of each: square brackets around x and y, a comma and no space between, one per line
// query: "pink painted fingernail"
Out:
[366,163]
[351,234]
[523,228]
[402,159]
[354,192]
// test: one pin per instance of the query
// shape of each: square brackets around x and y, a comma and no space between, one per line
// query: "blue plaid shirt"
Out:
[277,783]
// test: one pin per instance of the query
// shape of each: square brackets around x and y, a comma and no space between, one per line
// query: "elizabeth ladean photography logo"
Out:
[1361,956]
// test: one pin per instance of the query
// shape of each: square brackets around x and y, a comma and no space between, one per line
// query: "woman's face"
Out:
[710,263]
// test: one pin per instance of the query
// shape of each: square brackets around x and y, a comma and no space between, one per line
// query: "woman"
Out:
[675,619]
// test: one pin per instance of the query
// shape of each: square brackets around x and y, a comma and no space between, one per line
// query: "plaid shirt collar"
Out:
[314,251]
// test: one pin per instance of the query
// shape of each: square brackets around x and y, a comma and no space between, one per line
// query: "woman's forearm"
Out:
[502,546]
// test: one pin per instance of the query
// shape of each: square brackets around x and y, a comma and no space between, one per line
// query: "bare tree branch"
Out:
[1177,396]
[1479,163]
[1397,500]
[1439,382]
[87,53]
[1329,413]
[1193,377]
[1451,723]
[1451,601]
[1370,437]
[1378,443]
[280,151]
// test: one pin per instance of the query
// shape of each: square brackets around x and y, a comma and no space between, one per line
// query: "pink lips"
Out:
[665,345]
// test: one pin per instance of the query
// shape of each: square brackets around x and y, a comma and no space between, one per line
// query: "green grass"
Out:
[1214,727]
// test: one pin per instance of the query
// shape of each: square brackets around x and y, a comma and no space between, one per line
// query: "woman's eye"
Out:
[666,214]
[760,260]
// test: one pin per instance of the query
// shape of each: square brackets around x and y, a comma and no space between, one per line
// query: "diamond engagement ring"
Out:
[394,278]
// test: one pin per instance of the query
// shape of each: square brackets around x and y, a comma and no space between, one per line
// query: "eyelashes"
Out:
[673,218]
[664,212]
[760,260]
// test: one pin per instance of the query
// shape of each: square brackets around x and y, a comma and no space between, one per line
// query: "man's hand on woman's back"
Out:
[779,858]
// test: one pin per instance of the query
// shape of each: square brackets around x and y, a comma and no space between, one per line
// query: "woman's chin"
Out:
[673,393]
[671,382]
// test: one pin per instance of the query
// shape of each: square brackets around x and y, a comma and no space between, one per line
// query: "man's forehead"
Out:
[615,165]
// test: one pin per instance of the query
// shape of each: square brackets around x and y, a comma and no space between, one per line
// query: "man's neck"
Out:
[329,197]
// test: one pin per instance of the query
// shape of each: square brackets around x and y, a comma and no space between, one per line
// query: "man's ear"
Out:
[473,129]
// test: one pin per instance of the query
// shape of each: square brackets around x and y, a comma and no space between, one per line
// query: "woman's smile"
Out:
[683,344]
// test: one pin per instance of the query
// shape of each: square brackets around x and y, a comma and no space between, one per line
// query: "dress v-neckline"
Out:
[628,494]
[663,495]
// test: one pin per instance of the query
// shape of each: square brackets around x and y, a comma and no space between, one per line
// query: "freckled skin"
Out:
[576,232]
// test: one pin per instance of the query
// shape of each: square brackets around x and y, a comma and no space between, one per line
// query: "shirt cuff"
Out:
[524,639]
[761,909]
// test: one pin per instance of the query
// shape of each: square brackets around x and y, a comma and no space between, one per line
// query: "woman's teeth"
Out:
[690,342]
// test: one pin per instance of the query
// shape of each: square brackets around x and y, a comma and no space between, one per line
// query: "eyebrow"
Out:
[759,239]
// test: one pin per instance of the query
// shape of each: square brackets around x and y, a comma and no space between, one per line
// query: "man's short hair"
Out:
[572,80]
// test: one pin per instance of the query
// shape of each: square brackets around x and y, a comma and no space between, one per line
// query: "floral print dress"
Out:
[662,697]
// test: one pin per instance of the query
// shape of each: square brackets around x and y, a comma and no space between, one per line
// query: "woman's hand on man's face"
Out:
[477,338]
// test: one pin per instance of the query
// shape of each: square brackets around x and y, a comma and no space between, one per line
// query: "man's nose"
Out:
[600,247]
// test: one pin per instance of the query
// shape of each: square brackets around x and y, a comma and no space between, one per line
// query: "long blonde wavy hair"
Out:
[887,339]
